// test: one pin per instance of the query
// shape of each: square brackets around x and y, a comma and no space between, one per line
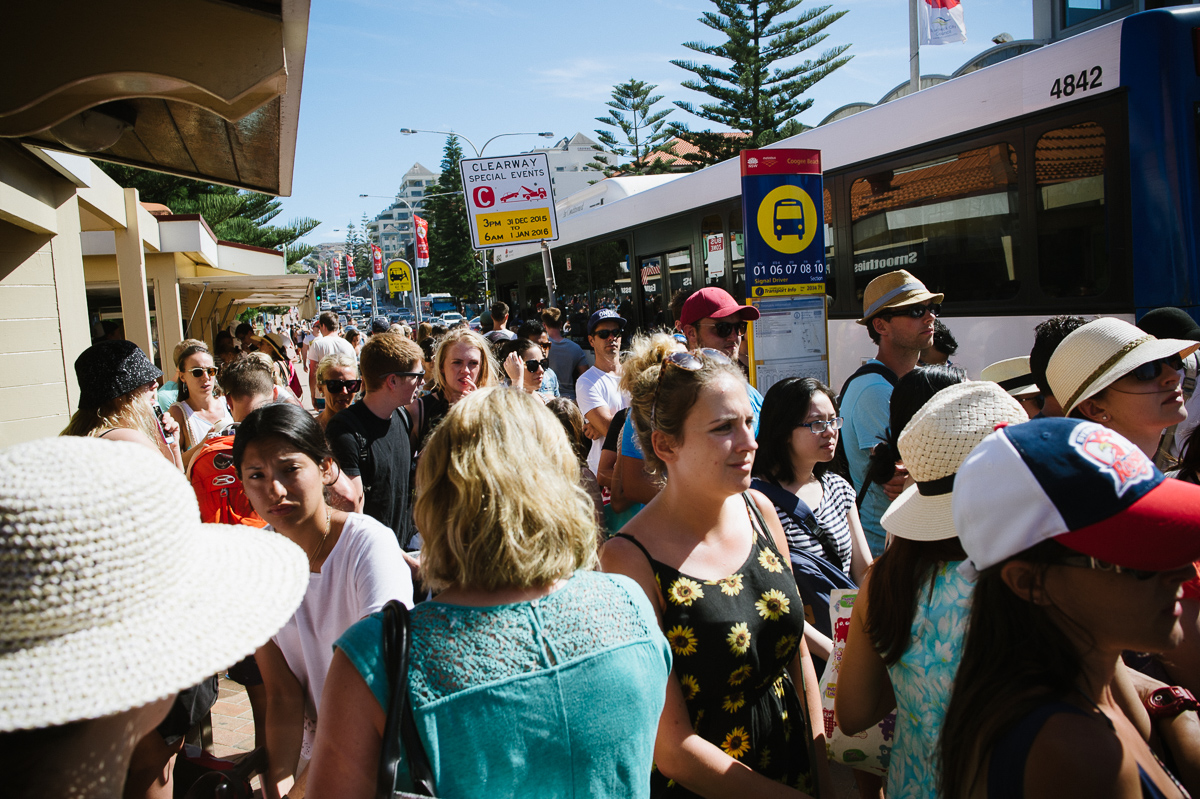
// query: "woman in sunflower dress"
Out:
[706,551]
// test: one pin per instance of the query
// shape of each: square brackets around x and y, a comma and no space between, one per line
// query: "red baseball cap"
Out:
[714,303]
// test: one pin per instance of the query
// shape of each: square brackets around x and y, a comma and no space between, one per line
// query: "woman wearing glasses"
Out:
[525,366]
[1111,372]
[338,382]
[711,557]
[197,410]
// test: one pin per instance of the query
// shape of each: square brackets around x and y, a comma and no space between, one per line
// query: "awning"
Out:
[212,301]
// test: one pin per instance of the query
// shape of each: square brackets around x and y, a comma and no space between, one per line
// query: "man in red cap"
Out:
[712,318]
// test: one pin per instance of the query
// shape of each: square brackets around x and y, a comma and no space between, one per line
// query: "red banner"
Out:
[337,267]
[377,259]
[422,241]
[350,267]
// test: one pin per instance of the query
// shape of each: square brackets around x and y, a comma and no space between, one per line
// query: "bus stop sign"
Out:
[783,217]
[399,276]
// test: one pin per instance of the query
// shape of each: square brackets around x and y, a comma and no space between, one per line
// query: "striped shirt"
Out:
[832,538]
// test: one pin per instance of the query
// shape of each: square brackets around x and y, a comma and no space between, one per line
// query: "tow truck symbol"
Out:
[524,195]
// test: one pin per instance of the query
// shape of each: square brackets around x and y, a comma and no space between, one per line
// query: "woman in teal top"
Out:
[530,675]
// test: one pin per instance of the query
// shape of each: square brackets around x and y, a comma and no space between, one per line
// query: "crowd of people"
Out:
[623,570]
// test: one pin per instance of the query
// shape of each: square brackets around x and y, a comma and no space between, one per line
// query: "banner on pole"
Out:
[337,266]
[940,22]
[349,267]
[422,227]
[377,260]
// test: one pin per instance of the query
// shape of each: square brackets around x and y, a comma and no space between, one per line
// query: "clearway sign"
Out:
[509,199]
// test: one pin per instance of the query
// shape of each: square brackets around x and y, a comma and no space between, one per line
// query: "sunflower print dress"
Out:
[732,640]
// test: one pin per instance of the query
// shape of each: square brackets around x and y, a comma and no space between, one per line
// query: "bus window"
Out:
[830,246]
[611,285]
[951,221]
[650,272]
[570,278]
[680,265]
[535,290]
[737,256]
[712,238]
[1071,219]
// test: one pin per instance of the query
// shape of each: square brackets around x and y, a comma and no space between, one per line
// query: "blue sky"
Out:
[482,67]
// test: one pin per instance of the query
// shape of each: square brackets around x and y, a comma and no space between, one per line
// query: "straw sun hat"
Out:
[1101,352]
[1012,375]
[112,593]
[934,445]
[893,290]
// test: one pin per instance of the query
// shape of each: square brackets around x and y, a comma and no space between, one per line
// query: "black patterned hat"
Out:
[111,368]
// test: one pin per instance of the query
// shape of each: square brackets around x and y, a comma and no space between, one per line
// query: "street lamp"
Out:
[478,150]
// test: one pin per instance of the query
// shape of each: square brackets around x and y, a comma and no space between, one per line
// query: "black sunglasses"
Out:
[420,374]
[533,364]
[724,329]
[339,386]
[201,371]
[1088,562]
[607,333]
[1150,371]
[913,311]
[689,362]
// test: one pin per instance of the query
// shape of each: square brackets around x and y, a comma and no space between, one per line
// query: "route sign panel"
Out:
[509,199]
[784,219]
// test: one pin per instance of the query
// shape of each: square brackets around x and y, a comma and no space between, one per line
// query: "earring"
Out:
[1104,418]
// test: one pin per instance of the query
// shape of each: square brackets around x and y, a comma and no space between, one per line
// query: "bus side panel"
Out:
[1158,68]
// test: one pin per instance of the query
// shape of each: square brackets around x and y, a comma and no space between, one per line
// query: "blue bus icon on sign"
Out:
[789,218]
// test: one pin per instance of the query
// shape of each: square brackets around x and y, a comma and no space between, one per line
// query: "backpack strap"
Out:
[799,511]
[869,368]
[364,449]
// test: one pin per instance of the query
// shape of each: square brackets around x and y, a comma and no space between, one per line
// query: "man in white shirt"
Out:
[328,344]
[597,391]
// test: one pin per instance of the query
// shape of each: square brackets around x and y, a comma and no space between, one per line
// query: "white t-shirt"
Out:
[329,345]
[361,573]
[598,389]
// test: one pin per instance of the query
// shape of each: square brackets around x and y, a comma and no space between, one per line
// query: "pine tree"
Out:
[453,267]
[756,95]
[644,131]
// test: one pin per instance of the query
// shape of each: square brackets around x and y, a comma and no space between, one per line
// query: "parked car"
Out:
[451,318]
[476,325]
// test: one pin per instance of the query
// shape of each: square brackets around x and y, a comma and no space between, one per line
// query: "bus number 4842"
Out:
[1086,79]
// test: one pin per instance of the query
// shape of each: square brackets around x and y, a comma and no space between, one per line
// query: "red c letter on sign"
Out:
[484,196]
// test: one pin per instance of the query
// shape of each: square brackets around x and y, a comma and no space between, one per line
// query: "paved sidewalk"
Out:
[232,722]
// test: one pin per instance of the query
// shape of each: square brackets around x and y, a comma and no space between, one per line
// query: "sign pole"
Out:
[548,270]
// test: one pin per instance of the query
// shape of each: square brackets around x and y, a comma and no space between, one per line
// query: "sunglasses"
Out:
[913,311]
[819,426]
[689,362]
[201,371]
[420,374]
[1150,371]
[607,333]
[342,386]
[1088,562]
[533,364]
[725,329]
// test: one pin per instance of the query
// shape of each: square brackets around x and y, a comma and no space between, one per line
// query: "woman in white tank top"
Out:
[197,410]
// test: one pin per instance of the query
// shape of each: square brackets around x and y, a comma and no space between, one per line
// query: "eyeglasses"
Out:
[1088,562]
[420,374]
[533,365]
[1150,371]
[913,311]
[690,362]
[607,333]
[201,371]
[340,386]
[725,329]
[819,426]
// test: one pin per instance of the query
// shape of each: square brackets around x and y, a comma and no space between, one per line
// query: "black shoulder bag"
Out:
[400,724]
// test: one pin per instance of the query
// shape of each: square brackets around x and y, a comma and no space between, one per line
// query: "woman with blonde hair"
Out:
[463,362]
[198,409]
[553,672]
[742,714]
[338,381]
[117,384]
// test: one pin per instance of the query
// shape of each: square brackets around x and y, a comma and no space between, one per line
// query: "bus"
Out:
[1062,180]
[436,304]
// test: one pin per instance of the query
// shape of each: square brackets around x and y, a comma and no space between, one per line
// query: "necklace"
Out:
[328,519]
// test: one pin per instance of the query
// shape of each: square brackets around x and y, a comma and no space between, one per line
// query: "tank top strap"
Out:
[1006,768]
[638,544]
[762,536]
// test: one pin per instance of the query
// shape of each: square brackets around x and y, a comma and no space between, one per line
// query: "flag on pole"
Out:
[350,267]
[377,260]
[422,241]
[941,22]
[337,267]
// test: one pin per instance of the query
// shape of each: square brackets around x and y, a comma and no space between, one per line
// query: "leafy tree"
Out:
[233,215]
[452,264]
[756,95]
[644,131]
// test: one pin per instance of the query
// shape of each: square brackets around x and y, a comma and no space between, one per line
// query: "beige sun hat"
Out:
[1012,375]
[934,445]
[1095,356]
[893,290]
[112,593]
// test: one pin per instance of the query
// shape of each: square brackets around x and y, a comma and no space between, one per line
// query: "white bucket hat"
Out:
[112,593]
[934,444]
[1098,354]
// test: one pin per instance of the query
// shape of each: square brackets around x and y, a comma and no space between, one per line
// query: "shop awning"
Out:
[212,301]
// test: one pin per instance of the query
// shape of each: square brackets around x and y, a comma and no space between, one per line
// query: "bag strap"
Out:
[869,368]
[800,513]
[400,724]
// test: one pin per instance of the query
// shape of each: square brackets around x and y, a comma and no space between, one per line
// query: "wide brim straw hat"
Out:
[1012,375]
[934,445]
[893,290]
[113,594]
[1101,352]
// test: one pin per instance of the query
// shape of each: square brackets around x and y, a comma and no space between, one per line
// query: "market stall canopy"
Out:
[207,90]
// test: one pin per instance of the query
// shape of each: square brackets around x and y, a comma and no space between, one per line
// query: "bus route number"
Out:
[1068,85]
